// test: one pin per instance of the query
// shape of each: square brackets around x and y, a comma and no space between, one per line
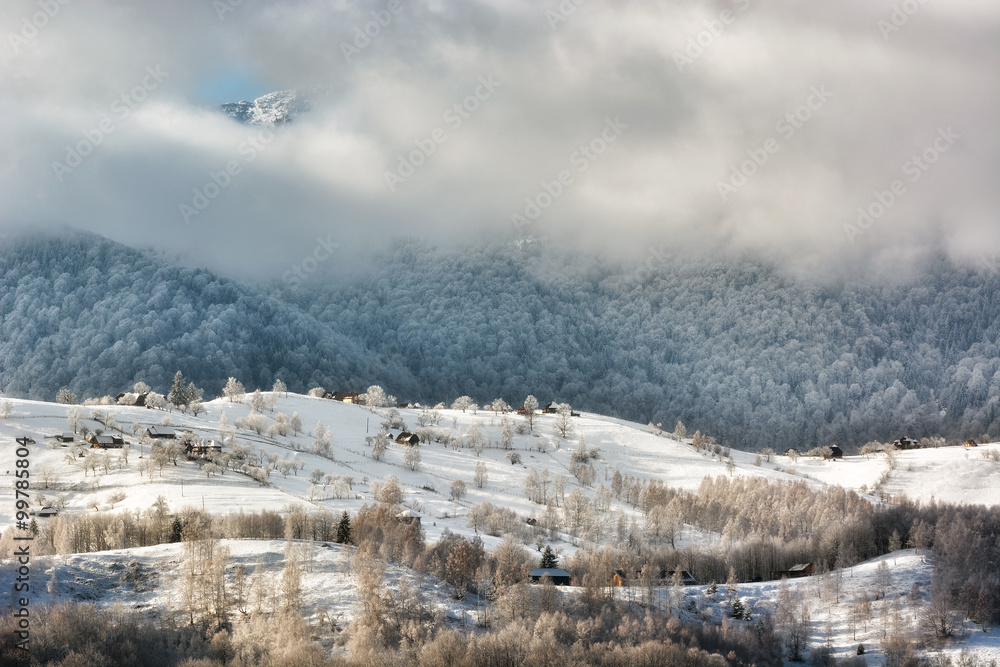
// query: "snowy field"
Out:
[951,474]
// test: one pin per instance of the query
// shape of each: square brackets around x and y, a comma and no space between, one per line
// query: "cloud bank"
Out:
[816,134]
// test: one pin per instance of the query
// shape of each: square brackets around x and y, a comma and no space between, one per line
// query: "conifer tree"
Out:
[549,559]
[344,529]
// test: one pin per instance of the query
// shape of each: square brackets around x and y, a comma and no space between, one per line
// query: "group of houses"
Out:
[344,397]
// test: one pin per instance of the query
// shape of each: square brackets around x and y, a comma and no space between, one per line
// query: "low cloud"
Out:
[724,144]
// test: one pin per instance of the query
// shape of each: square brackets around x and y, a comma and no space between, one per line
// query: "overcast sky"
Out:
[647,112]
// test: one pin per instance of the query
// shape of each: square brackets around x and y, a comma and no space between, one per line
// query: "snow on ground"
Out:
[947,474]
[149,579]
[830,599]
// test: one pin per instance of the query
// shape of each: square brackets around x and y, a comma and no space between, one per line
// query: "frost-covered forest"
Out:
[740,351]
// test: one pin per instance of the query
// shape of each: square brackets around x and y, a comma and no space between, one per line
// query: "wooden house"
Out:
[559,576]
[970,443]
[106,441]
[406,516]
[799,570]
[618,578]
[905,443]
[46,512]
[687,579]
[550,408]
[407,438]
[161,433]
[836,452]
[792,451]
[195,450]
[351,397]
[65,437]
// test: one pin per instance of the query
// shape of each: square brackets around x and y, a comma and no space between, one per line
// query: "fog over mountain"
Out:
[741,127]
[735,349]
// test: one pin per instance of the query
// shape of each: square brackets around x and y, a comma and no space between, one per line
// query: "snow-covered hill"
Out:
[952,474]
[347,479]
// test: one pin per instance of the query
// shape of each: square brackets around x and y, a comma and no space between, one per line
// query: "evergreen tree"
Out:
[344,529]
[176,530]
[178,392]
[549,559]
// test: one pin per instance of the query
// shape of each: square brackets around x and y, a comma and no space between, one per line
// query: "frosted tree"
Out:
[257,401]
[380,445]
[178,392]
[481,476]
[462,403]
[6,408]
[530,408]
[563,423]
[499,406]
[506,435]
[280,389]
[65,396]
[457,490]
[296,423]
[376,398]
[680,432]
[234,390]
[412,457]
[475,439]
[73,418]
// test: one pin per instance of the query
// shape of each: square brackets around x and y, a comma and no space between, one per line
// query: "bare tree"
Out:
[481,476]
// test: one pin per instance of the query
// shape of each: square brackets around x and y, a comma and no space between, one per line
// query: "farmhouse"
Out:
[161,433]
[687,579]
[836,452]
[407,438]
[559,576]
[905,443]
[199,450]
[47,512]
[65,437]
[105,441]
[351,397]
[799,570]
[970,443]
[618,578]
[791,451]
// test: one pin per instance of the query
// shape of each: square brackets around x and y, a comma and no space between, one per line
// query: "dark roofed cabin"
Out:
[836,452]
[800,570]
[161,433]
[406,438]
[559,576]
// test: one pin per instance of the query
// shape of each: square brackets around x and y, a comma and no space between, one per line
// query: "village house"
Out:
[161,433]
[105,441]
[618,578]
[970,443]
[836,452]
[407,438]
[799,570]
[65,437]
[559,576]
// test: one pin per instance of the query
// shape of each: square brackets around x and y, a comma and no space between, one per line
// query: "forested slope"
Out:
[738,350]
[82,312]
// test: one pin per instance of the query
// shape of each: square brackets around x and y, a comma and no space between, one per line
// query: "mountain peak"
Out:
[276,108]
